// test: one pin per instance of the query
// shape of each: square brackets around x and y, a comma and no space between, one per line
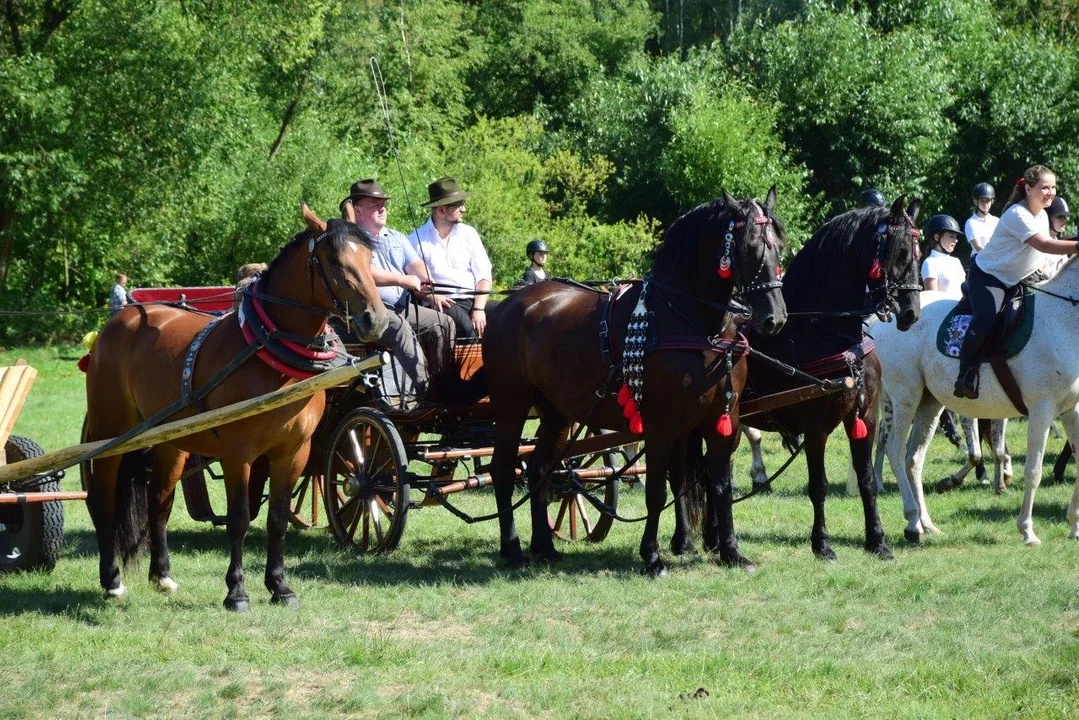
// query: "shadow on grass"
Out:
[1049,511]
[81,605]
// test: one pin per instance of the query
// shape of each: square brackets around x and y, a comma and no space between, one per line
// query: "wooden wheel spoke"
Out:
[365,538]
[350,515]
[579,501]
[357,451]
[376,519]
[384,506]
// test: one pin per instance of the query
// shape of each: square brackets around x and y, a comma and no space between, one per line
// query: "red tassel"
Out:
[84,362]
[623,395]
[724,427]
[859,431]
[725,271]
[629,409]
[636,425]
[875,271]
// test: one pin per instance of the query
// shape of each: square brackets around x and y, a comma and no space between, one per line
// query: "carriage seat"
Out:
[1011,330]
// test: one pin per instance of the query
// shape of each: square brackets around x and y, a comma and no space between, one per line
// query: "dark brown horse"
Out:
[544,348]
[135,373]
[825,293]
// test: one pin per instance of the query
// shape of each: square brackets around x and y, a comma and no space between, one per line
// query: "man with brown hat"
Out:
[400,274]
[455,257]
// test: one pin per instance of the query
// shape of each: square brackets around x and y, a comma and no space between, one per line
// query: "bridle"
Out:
[761,282]
[883,293]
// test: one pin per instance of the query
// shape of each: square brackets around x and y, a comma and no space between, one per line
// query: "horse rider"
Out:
[941,271]
[400,274]
[1018,247]
[981,224]
[455,257]
[537,255]
[872,198]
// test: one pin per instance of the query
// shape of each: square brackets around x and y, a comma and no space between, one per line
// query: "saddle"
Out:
[1010,333]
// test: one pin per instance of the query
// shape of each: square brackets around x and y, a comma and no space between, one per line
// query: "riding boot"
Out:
[966,385]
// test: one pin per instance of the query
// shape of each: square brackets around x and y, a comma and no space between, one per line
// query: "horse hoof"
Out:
[826,553]
[738,560]
[682,547]
[547,555]
[913,537]
[654,569]
[882,551]
[237,605]
[948,484]
[932,529]
[165,585]
[286,600]
[116,593]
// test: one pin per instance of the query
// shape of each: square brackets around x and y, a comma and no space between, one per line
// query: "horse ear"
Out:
[348,212]
[914,209]
[728,200]
[770,201]
[897,208]
[313,221]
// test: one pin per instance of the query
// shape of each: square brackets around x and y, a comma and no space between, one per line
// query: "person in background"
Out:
[1058,217]
[1019,246]
[980,226]
[455,257]
[537,253]
[940,270]
[872,198]
[119,297]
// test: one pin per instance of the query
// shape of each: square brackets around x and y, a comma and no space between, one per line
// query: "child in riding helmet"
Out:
[940,270]
[1018,247]
[872,198]
[980,226]
[537,253]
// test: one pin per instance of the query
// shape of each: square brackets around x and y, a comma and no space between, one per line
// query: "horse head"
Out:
[757,239]
[339,265]
[894,270]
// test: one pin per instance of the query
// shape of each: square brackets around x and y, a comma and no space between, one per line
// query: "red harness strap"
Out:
[277,364]
[842,361]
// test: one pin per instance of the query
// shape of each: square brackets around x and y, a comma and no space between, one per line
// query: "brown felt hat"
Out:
[366,188]
[444,191]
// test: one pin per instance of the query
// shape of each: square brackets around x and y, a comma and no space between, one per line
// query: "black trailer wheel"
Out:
[32,534]
[571,516]
[365,484]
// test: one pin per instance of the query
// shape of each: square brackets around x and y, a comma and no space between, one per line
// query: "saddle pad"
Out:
[954,328]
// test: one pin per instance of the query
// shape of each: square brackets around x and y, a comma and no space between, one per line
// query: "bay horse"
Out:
[560,347]
[824,289]
[919,380]
[135,373]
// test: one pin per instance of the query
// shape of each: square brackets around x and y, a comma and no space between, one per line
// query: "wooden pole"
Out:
[15,385]
[790,397]
[189,426]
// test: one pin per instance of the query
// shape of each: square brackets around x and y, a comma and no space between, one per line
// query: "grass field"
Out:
[973,624]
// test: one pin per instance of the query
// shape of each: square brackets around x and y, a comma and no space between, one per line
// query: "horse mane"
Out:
[338,234]
[1059,276]
[824,268]
[673,256]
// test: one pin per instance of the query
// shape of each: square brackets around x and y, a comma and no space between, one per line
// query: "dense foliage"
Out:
[173,140]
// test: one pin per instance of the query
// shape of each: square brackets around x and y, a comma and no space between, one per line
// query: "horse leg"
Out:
[757,470]
[682,540]
[550,441]
[655,496]
[1002,461]
[238,521]
[1037,434]
[101,502]
[904,406]
[884,429]
[860,452]
[972,460]
[815,443]
[921,434]
[1070,420]
[509,422]
[284,471]
[719,532]
[168,466]
[1062,462]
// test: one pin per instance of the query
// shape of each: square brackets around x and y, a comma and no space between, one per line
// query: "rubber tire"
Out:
[39,536]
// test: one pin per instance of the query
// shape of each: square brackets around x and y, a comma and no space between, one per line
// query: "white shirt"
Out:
[459,261]
[1007,257]
[979,230]
[947,271]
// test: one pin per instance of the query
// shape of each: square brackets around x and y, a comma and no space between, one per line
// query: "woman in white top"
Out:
[941,271]
[981,224]
[1018,247]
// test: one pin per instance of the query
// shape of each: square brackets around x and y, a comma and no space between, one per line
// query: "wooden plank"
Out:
[15,383]
[790,397]
[189,426]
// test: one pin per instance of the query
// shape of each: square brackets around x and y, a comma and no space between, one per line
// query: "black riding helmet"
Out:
[536,246]
[1059,207]
[983,190]
[872,197]
[942,224]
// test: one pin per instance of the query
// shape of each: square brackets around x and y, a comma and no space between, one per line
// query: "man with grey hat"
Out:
[400,275]
[455,257]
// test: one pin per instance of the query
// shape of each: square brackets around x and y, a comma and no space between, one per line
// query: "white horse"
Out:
[919,380]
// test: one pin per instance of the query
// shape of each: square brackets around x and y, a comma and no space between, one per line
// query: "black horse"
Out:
[825,293]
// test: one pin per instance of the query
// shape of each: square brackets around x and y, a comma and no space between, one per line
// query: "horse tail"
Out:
[695,481]
[132,506]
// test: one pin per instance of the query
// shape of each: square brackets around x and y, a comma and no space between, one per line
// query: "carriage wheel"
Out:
[31,535]
[365,485]
[309,485]
[576,518]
